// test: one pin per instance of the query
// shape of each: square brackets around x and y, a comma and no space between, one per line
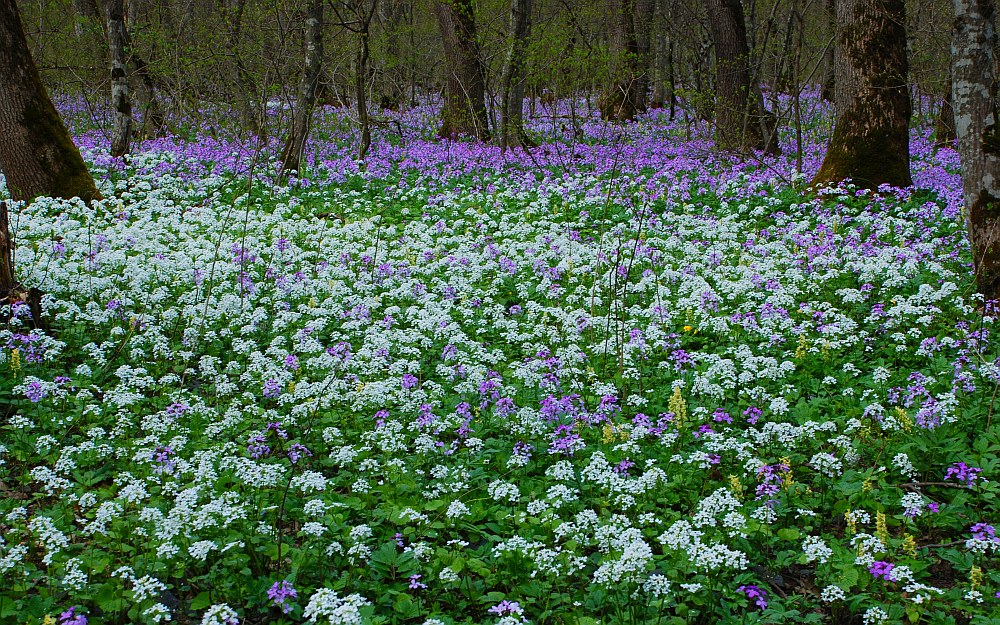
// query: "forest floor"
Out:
[618,379]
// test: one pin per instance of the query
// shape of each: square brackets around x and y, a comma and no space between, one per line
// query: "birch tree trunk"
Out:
[121,102]
[974,89]
[512,77]
[37,155]
[464,110]
[741,122]
[291,156]
[870,143]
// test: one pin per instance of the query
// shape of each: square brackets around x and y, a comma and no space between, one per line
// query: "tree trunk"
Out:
[464,110]
[829,88]
[624,97]
[642,18]
[663,61]
[512,78]
[364,13]
[37,155]
[974,88]
[121,102]
[392,65]
[944,129]
[7,281]
[741,122]
[291,156]
[870,142]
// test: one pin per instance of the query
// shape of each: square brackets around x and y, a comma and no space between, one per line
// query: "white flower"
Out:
[827,464]
[336,610]
[220,614]
[816,549]
[457,509]
[913,504]
[875,616]
[832,593]
[74,578]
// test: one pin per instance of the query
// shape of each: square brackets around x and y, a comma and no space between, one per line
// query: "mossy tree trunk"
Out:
[624,96]
[512,77]
[37,154]
[741,122]
[291,156]
[870,143]
[121,101]
[974,88]
[464,111]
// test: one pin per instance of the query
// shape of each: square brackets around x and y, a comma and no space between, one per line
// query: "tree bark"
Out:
[828,90]
[464,110]
[663,57]
[624,96]
[512,78]
[121,102]
[37,154]
[741,122]
[364,12]
[944,129]
[870,143]
[291,156]
[974,89]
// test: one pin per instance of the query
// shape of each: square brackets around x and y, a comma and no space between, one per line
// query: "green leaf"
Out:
[201,601]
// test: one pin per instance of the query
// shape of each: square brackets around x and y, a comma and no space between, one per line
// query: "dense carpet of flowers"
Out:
[616,379]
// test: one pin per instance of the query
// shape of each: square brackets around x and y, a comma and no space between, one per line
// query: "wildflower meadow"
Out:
[619,378]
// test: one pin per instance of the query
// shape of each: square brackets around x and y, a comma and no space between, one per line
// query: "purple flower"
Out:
[623,466]
[755,593]
[721,416]
[409,381]
[275,426]
[752,414]
[882,569]
[984,532]
[507,607]
[280,593]
[257,447]
[291,362]
[35,392]
[271,388]
[961,472]
[297,451]
[70,617]
[415,583]
[161,456]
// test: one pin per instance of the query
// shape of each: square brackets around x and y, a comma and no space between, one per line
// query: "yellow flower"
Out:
[15,360]
[881,529]
[49,620]
[678,406]
[909,545]
[688,328]
[802,349]
[975,577]
[736,486]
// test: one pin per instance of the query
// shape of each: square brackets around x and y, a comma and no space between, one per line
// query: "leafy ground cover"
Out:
[620,379]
